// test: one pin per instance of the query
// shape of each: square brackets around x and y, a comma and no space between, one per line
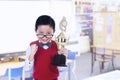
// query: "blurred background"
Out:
[92,27]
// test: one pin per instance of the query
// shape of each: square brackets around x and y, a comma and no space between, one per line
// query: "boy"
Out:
[44,49]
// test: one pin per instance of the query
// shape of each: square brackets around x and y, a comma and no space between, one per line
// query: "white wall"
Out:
[17,20]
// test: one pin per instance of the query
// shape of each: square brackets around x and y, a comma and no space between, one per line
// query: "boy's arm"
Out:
[31,57]
[68,53]
[33,49]
[28,64]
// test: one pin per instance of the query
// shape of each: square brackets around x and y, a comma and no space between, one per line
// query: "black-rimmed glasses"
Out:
[42,35]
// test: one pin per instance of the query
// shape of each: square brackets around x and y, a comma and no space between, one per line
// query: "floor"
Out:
[83,68]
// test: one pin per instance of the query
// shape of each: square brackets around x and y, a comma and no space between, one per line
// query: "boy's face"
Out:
[44,33]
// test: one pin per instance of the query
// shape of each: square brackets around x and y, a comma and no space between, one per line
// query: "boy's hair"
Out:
[45,20]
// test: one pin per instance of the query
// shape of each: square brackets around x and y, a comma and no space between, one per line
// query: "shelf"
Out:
[84,20]
[83,14]
[86,28]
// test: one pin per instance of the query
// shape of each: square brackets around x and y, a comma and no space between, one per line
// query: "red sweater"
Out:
[43,68]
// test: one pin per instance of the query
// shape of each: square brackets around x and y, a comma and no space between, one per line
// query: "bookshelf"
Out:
[84,18]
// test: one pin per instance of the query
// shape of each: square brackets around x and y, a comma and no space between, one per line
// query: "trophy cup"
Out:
[61,40]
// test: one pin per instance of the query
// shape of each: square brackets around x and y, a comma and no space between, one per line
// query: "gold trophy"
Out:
[61,40]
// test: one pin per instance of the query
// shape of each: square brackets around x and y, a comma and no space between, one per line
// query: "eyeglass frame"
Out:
[50,35]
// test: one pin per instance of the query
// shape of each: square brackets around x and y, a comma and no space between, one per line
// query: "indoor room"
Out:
[59,39]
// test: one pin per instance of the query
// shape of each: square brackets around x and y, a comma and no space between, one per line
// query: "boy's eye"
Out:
[39,34]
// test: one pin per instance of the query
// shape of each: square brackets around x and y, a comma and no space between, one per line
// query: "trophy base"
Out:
[59,60]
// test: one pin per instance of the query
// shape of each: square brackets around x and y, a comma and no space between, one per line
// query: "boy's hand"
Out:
[34,48]
[63,51]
